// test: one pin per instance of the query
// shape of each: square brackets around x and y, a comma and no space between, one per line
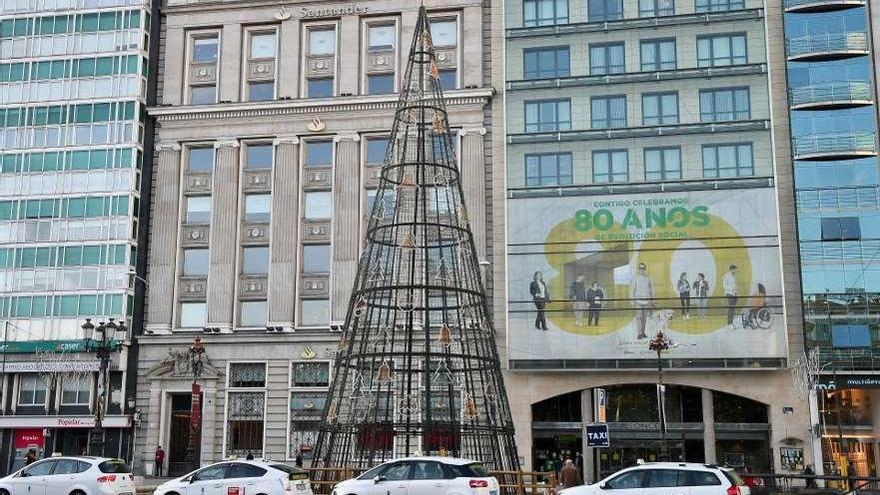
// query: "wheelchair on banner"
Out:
[758,315]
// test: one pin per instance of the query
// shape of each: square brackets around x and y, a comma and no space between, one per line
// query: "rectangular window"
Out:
[548,115]
[662,164]
[247,375]
[320,61]
[261,65]
[608,112]
[259,156]
[195,262]
[604,10]
[252,314]
[203,68]
[719,5]
[610,166]
[548,169]
[850,336]
[314,312]
[319,154]
[727,160]
[724,104]
[658,55]
[659,108]
[201,159]
[316,258]
[841,229]
[257,207]
[310,374]
[656,8]
[376,149]
[193,314]
[547,62]
[544,12]
[31,390]
[198,209]
[76,391]
[255,260]
[721,50]
[380,57]
[381,37]
[318,205]
[245,412]
[444,33]
[607,58]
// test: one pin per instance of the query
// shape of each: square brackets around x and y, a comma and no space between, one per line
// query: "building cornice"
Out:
[479,96]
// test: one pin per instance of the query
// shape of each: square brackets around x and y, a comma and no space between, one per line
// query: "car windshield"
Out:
[733,477]
[372,473]
[114,466]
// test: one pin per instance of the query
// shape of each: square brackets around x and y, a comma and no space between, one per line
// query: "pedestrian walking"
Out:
[31,457]
[159,457]
[569,475]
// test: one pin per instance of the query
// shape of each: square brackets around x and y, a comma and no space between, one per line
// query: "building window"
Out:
[719,5]
[316,258]
[318,205]
[195,262]
[841,229]
[310,374]
[321,61]
[548,115]
[548,169]
[381,58]
[201,159]
[658,55]
[259,157]
[544,12]
[315,312]
[727,160]
[607,58]
[444,34]
[721,50]
[252,313]
[255,260]
[198,209]
[203,72]
[604,10]
[608,112]
[319,154]
[306,409]
[660,108]
[724,104]
[257,207]
[261,65]
[376,149]
[193,314]
[76,391]
[611,166]
[662,164]
[548,62]
[656,8]
[245,409]
[31,390]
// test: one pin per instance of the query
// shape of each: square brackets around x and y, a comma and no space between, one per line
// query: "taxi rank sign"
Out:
[596,435]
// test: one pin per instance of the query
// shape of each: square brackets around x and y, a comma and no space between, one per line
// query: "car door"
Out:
[248,478]
[626,483]
[427,478]
[32,480]
[393,481]
[666,482]
[63,476]
[208,481]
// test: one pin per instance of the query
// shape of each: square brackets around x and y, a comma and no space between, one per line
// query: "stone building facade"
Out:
[270,128]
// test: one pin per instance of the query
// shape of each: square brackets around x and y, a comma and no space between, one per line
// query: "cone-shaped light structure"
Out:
[417,370]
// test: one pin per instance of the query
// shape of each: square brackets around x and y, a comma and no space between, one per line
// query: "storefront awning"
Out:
[116,421]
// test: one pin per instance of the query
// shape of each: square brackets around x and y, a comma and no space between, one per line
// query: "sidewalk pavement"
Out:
[146,484]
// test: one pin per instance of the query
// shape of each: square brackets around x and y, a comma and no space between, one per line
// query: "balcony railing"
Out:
[835,94]
[834,146]
[820,5]
[836,45]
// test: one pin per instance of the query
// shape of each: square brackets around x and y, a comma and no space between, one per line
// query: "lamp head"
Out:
[88,329]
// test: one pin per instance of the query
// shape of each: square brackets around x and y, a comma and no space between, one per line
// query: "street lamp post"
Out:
[659,344]
[100,341]
[196,354]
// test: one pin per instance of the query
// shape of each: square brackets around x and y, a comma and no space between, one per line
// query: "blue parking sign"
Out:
[597,435]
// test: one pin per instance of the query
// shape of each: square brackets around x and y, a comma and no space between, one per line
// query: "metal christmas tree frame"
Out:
[417,370]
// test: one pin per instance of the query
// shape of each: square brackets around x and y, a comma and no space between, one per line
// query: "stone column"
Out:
[289,65]
[473,182]
[284,245]
[210,429]
[224,236]
[163,245]
[346,222]
[708,427]
[229,77]
[174,64]
[347,68]
[472,30]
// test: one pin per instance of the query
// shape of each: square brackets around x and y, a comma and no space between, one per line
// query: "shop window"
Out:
[734,409]
[850,336]
[841,229]
[562,408]
[31,390]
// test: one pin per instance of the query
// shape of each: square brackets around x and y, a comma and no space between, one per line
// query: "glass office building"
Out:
[73,83]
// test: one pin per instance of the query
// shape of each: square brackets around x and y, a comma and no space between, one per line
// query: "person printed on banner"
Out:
[758,302]
[641,294]
[684,295]
[729,284]
[577,293]
[595,298]
[540,296]
[701,293]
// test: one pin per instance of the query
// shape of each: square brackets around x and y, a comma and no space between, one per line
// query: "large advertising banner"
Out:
[596,277]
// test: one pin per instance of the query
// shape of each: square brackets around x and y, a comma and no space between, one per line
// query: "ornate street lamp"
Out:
[101,341]
[659,344]
[196,356]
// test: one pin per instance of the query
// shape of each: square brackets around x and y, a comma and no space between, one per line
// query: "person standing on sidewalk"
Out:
[160,459]
[569,476]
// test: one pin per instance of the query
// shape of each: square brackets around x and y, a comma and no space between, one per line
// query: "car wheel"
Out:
[4,491]
[77,492]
